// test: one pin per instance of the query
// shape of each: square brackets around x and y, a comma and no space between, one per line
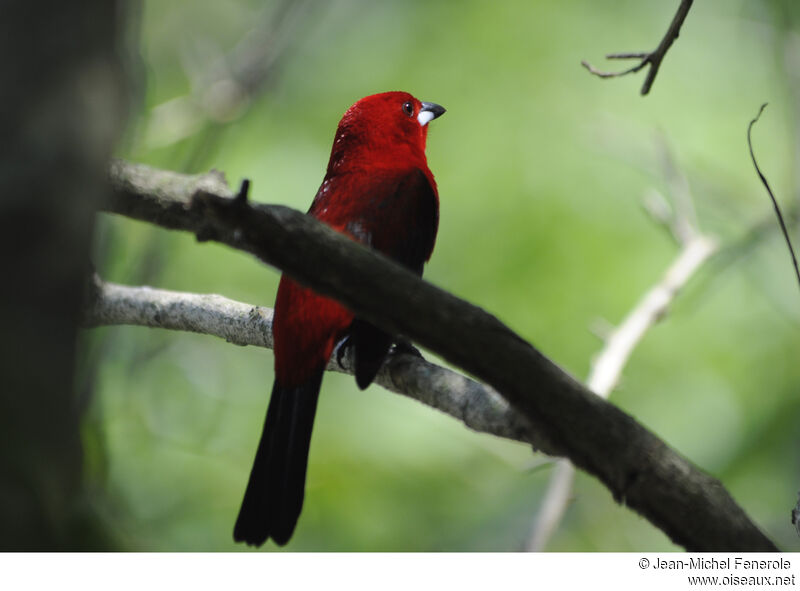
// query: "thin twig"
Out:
[771,195]
[553,506]
[604,74]
[652,58]
[684,219]
[608,365]
[620,343]
[629,55]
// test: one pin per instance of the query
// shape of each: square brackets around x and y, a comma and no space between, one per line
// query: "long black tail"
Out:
[274,496]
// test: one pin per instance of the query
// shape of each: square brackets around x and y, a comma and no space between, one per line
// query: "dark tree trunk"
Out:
[62,105]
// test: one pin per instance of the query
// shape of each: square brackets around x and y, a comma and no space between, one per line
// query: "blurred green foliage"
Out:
[541,171]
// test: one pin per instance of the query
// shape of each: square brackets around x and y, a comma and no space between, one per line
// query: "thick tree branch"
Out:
[639,469]
[480,408]
[651,58]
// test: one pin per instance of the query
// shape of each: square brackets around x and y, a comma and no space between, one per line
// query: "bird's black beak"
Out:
[428,113]
[433,108]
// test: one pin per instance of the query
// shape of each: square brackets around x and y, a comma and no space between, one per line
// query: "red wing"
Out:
[396,213]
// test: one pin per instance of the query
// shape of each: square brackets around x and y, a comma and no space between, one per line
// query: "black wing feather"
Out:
[408,232]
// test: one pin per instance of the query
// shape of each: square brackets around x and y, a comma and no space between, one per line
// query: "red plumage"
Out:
[379,191]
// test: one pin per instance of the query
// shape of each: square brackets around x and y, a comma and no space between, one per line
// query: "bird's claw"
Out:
[341,351]
[405,347]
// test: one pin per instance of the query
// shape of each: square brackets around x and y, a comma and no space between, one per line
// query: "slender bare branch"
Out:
[639,469]
[553,506]
[606,74]
[608,365]
[651,58]
[782,223]
[775,205]
[479,407]
[620,342]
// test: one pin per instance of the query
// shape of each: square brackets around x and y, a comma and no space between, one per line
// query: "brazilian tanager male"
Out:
[379,191]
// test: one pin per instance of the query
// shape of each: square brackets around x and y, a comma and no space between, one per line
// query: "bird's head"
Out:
[387,129]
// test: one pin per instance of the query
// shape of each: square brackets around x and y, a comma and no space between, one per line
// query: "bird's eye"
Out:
[408,108]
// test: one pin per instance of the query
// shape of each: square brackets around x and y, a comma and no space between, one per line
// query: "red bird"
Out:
[379,191]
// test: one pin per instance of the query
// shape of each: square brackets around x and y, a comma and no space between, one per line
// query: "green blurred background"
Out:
[541,170]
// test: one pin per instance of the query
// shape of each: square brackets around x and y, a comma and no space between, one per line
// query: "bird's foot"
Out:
[341,351]
[404,346]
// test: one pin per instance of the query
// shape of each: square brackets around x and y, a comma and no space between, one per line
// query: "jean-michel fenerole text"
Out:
[728,563]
